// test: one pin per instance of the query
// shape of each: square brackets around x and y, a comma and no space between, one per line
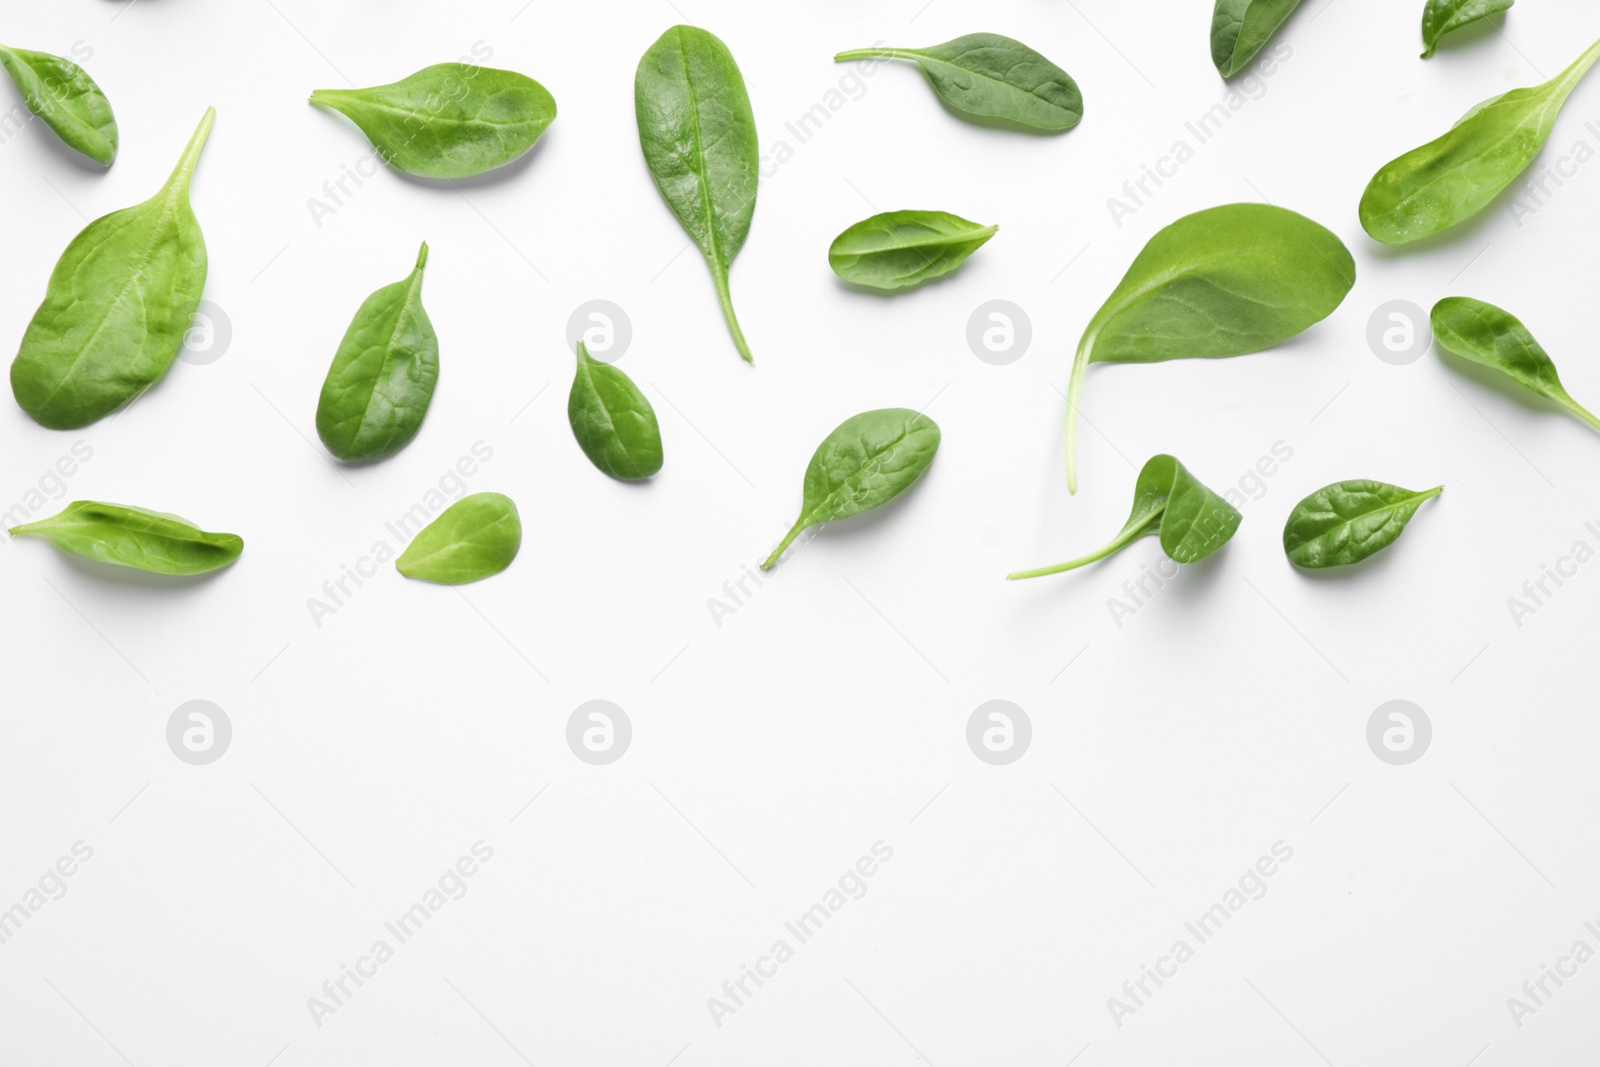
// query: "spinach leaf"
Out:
[988,76]
[58,91]
[899,249]
[1442,16]
[699,140]
[119,302]
[612,420]
[381,382]
[133,537]
[1495,338]
[867,461]
[1346,522]
[1222,282]
[450,120]
[477,537]
[1241,28]
[1447,181]
[1168,501]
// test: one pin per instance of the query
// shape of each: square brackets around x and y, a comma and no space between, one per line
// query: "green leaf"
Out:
[450,120]
[866,462]
[58,91]
[1191,521]
[1241,28]
[1442,16]
[1448,180]
[899,249]
[612,420]
[119,302]
[133,537]
[478,536]
[1346,522]
[987,76]
[381,382]
[699,140]
[1222,282]
[1495,338]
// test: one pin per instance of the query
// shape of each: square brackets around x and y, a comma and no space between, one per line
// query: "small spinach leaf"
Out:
[477,537]
[1495,338]
[133,537]
[899,249]
[867,461]
[1346,522]
[1452,178]
[993,77]
[698,135]
[58,91]
[381,382]
[1168,501]
[612,420]
[1442,16]
[1222,282]
[119,302]
[1241,28]
[450,120]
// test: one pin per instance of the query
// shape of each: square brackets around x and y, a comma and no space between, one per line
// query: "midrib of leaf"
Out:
[427,118]
[854,480]
[389,358]
[932,241]
[460,543]
[1006,87]
[1388,512]
[714,253]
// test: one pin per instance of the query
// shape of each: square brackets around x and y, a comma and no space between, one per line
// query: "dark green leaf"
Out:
[1346,522]
[133,537]
[612,420]
[1442,16]
[478,536]
[381,382]
[899,249]
[58,91]
[1495,338]
[450,120]
[1241,28]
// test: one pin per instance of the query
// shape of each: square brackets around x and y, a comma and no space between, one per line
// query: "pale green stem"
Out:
[723,295]
[875,53]
[1080,363]
[183,173]
[1574,74]
[422,256]
[1579,410]
[796,530]
[1129,534]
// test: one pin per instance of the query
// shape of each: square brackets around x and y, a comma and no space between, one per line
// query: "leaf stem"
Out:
[1080,363]
[874,53]
[1130,533]
[422,256]
[1580,66]
[721,278]
[1579,410]
[799,527]
[184,171]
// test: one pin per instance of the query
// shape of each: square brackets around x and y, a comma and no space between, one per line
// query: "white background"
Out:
[829,712]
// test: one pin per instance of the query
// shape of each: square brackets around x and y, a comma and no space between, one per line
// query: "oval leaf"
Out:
[993,77]
[1222,282]
[1241,28]
[1448,180]
[58,91]
[1442,16]
[899,249]
[1346,522]
[1191,520]
[450,120]
[866,462]
[1493,337]
[699,140]
[478,536]
[381,382]
[612,420]
[133,537]
[119,302]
